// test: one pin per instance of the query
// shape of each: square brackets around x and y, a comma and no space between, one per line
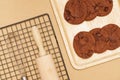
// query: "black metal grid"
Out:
[16,40]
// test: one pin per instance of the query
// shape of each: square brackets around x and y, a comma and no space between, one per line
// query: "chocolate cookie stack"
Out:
[97,40]
[77,11]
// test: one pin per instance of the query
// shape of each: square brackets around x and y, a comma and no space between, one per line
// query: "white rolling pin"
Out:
[45,62]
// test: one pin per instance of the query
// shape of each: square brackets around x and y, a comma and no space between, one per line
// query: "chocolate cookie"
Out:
[83,44]
[110,28]
[91,12]
[84,53]
[104,7]
[114,40]
[100,40]
[75,11]
[114,36]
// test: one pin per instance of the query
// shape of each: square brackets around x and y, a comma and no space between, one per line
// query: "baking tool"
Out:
[45,62]
[19,62]
[68,32]
[26,44]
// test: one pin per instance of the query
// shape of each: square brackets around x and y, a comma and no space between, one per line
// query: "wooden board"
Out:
[68,32]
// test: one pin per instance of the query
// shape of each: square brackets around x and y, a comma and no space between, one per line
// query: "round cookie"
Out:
[84,53]
[91,12]
[100,40]
[75,11]
[110,28]
[83,44]
[114,40]
[114,36]
[104,7]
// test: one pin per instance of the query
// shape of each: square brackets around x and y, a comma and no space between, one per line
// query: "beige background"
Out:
[12,11]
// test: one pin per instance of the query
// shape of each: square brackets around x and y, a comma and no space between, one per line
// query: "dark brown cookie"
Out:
[75,11]
[91,12]
[110,28]
[104,7]
[84,53]
[114,36]
[100,40]
[114,40]
[83,44]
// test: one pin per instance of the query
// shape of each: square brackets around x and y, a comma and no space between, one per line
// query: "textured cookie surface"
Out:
[75,11]
[97,40]
[83,44]
[100,40]
[91,12]
[105,7]
[114,36]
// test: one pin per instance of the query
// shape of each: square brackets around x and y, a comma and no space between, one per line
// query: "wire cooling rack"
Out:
[11,51]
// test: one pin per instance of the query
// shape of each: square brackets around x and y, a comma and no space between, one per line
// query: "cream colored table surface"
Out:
[12,11]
